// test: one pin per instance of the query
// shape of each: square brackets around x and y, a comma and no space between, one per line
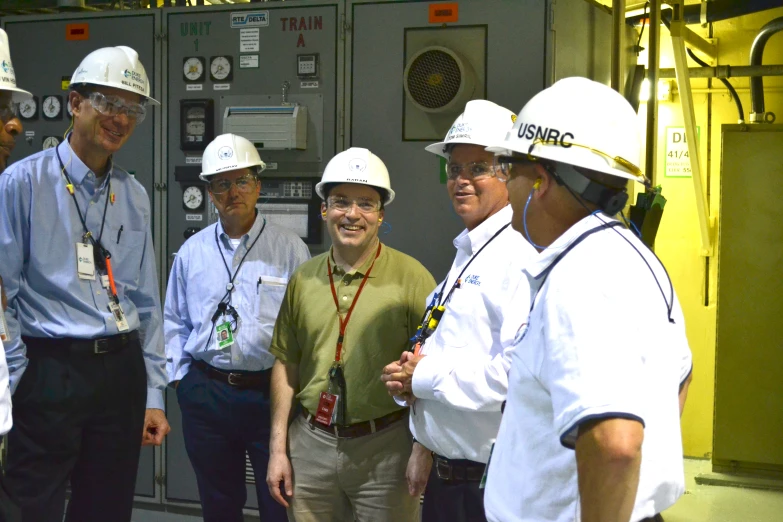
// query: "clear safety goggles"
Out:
[475,171]
[244,184]
[9,111]
[343,204]
[113,105]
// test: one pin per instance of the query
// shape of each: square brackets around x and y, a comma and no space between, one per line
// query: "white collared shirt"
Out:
[462,381]
[599,344]
[5,395]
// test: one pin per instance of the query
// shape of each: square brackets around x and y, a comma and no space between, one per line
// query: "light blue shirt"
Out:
[39,229]
[198,282]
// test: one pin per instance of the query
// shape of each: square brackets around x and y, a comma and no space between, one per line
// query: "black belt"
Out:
[239,379]
[360,429]
[100,346]
[458,470]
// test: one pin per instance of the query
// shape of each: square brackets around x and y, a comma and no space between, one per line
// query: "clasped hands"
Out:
[398,376]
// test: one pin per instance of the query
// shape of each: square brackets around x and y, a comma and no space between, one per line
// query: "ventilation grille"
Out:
[434,79]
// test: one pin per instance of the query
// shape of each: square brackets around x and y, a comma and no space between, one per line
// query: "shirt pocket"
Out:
[127,249]
[271,291]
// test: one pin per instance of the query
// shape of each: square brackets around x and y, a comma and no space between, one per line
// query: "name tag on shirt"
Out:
[85,262]
[119,316]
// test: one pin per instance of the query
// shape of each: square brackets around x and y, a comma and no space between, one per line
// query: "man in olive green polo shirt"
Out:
[344,315]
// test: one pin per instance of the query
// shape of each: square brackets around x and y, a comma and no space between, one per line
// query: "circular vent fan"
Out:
[437,80]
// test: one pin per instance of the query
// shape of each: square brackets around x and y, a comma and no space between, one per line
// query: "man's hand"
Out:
[398,376]
[279,470]
[419,466]
[155,427]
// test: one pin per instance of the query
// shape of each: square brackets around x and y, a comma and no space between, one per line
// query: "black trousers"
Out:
[452,501]
[219,424]
[9,510]
[77,416]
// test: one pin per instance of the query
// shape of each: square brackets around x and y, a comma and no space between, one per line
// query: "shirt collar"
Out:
[541,263]
[472,240]
[337,269]
[75,167]
[253,232]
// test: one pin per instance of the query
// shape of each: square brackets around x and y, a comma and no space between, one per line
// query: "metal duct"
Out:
[757,112]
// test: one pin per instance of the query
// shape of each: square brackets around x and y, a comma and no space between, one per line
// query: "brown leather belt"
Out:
[360,429]
[98,346]
[239,379]
[458,470]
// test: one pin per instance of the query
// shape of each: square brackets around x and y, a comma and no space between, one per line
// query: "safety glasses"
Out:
[503,166]
[244,184]
[113,105]
[343,204]
[616,162]
[476,171]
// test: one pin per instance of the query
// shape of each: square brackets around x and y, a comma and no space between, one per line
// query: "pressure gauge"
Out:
[52,107]
[193,198]
[50,141]
[196,124]
[28,109]
[220,69]
[193,69]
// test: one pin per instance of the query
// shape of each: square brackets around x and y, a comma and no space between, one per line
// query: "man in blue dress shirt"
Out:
[225,290]
[85,352]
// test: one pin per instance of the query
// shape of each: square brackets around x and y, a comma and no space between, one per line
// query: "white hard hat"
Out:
[229,152]
[356,165]
[483,123]
[581,123]
[7,75]
[117,67]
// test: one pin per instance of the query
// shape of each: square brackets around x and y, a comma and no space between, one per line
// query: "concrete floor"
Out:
[722,504]
[699,504]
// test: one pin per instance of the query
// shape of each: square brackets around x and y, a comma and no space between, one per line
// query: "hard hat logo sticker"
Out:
[225,153]
[133,75]
[531,131]
[459,130]
[357,165]
[6,66]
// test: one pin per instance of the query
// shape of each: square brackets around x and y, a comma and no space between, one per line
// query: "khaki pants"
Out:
[347,480]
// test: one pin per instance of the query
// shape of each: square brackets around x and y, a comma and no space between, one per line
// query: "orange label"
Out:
[442,13]
[77,32]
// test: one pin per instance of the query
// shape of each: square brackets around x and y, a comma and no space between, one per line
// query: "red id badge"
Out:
[326,406]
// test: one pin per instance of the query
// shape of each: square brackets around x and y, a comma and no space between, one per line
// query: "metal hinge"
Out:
[161,36]
[552,16]
[160,479]
[341,122]
[345,27]
[161,186]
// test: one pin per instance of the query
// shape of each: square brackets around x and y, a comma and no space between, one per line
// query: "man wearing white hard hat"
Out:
[345,313]
[10,97]
[224,292]
[86,333]
[591,428]
[456,375]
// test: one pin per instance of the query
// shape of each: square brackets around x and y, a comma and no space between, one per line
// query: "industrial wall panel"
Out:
[44,55]
[749,361]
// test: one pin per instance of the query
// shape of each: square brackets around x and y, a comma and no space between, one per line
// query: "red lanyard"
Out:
[344,322]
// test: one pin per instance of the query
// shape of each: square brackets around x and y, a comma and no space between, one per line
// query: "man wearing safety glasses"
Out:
[455,375]
[345,313]
[222,300]
[86,339]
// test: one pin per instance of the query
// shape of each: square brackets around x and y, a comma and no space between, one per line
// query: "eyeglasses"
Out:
[343,204]
[615,161]
[9,111]
[113,105]
[244,184]
[477,170]
[503,165]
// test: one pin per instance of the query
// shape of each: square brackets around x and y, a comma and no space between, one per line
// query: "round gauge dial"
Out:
[193,69]
[193,198]
[50,141]
[196,128]
[52,107]
[196,112]
[220,68]
[28,109]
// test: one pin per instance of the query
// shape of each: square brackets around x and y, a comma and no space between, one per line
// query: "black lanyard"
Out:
[230,286]
[423,332]
[87,234]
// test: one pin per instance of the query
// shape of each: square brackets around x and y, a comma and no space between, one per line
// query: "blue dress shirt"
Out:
[39,229]
[198,282]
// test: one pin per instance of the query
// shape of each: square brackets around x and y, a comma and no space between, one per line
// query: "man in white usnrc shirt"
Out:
[591,431]
[458,381]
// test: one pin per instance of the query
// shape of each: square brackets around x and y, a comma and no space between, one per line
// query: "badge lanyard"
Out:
[225,303]
[104,256]
[336,372]
[436,308]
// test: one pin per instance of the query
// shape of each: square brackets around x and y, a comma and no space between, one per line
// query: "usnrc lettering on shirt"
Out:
[531,131]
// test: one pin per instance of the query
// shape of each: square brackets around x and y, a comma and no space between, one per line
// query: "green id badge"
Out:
[224,335]
[486,468]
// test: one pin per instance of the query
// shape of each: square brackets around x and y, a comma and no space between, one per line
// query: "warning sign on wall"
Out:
[677,161]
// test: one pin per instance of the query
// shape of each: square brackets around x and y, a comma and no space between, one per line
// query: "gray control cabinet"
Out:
[46,51]
[264,45]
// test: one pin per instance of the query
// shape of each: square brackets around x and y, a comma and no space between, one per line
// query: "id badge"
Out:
[119,316]
[327,408]
[85,261]
[486,468]
[224,336]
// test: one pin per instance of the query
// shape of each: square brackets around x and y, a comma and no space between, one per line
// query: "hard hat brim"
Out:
[437,149]
[150,99]
[319,189]
[17,95]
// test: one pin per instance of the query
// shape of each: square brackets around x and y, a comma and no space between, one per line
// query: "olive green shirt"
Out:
[385,317]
